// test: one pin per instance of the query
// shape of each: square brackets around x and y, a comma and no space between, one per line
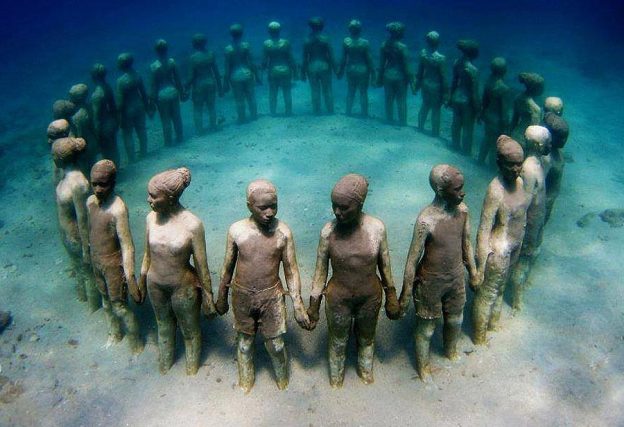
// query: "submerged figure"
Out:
[559,132]
[57,129]
[255,248]
[63,109]
[526,111]
[132,104]
[82,126]
[318,66]
[358,63]
[104,114]
[394,74]
[465,96]
[357,246]
[533,174]
[553,104]
[241,74]
[166,92]
[280,63]
[434,272]
[176,288]
[204,82]
[495,109]
[499,239]
[112,255]
[71,196]
[431,78]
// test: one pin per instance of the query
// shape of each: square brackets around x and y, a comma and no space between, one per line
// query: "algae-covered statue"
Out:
[499,237]
[495,109]
[166,92]
[357,247]
[439,254]
[358,63]
[241,74]
[105,113]
[318,66]
[204,82]
[112,255]
[132,104]
[394,72]
[526,111]
[255,249]
[553,104]
[431,78]
[63,109]
[177,289]
[278,60]
[533,174]
[82,126]
[559,132]
[71,196]
[464,98]
[57,129]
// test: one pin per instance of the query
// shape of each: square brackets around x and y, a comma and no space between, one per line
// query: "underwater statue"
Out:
[526,111]
[533,174]
[112,255]
[204,82]
[104,114]
[553,104]
[318,66]
[166,92]
[63,109]
[176,288]
[439,254]
[358,64]
[559,132]
[282,70]
[357,246]
[431,78]
[57,129]
[394,72]
[255,248]
[132,104]
[495,109]
[499,237]
[464,99]
[82,126]
[71,196]
[241,74]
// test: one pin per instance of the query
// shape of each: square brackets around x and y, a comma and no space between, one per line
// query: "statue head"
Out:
[58,129]
[274,27]
[103,177]
[432,39]
[98,72]
[470,48]
[161,47]
[553,104]
[164,189]
[348,196]
[498,66]
[316,23]
[448,184]
[199,41]
[509,157]
[236,31]
[78,94]
[125,61]
[538,139]
[396,29]
[262,202]
[65,151]
[355,27]
[558,128]
[63,109]
[533,82]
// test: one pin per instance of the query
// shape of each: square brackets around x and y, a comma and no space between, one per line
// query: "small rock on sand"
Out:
[613,217]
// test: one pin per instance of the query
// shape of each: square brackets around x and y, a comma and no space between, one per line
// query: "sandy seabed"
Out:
[560,362]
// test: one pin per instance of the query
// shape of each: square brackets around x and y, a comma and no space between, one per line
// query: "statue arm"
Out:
[382,66]
[468,253]
[200,260]
[488,216]
[79,198]
[387,281]
[322,265]
[176,79]
[331,58]
[305,62]
[293,281]
[370,65]
[475,92]
[227,272]
[418,78]
[122,226]
[96,110]
[217,77]
[343,61]
[145,264]
[416,250]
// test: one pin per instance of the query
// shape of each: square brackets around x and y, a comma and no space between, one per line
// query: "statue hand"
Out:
[142,288]
[393,310]
[222,306]
[208,308]
[476,280]
[86,256]
[133,289]
[301,316]
[313,311]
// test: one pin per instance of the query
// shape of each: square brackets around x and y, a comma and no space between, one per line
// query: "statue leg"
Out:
[451,333]
[166,323]
[198,112]
[422,115]
[389,94]
[496,272]
[165,120]
[365,323]
[363,85]
[114,326]
[139,125]
[244,359]
[338,325]
[239,99]
[176,117]
[287,93]
[126,132]
[277,351]
[402,103]
[211,97]
[468,130]
[422,338]
[133,336]
[436,108]
[250,93]
[456,127]
[351,83]
[273,95]
[328,92]
[315,92]
[185,303]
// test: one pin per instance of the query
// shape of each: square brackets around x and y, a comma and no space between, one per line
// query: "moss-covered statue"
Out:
[166,92]
[553,104]
[318,66]
[255,249]
[464,98]
[57,129]
[177,288]
[499,237]
[537,143]
[431,78]
[105,113]
[82,126]
[204,83]
[439,254]
[132,104]
[358,64]
[63,109]
[241,74]
[394,72]
[112,255]
[357,247]
[526,111]
[71,197]
[280,64]
[559,132]
[496,108]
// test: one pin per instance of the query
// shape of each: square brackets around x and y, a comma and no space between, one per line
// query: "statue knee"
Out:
[275,345]
[245,343]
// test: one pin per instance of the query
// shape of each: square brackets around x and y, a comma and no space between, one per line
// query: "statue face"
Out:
[263,207]
[453,194]
[543,147]
[345,209]
[158,201]
[510,167]
[102,184]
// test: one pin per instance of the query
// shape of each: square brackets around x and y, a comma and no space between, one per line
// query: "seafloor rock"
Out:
[585,219]
[9,390]
[5,320]
[614,217]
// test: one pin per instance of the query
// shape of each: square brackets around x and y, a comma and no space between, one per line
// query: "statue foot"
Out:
[336,383]
[425,375]
[112,340]
[366,376]
[452,355]
[246,386]
[136,345]
[282,384]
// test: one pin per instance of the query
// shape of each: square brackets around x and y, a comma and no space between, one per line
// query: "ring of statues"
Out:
[524,140]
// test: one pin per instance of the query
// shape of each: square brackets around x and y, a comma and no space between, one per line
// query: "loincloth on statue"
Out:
[435,294]
[109,276]
[262,311]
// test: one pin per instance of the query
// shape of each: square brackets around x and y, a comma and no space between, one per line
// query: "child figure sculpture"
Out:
[318,66]
[280,63]
[394,73]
